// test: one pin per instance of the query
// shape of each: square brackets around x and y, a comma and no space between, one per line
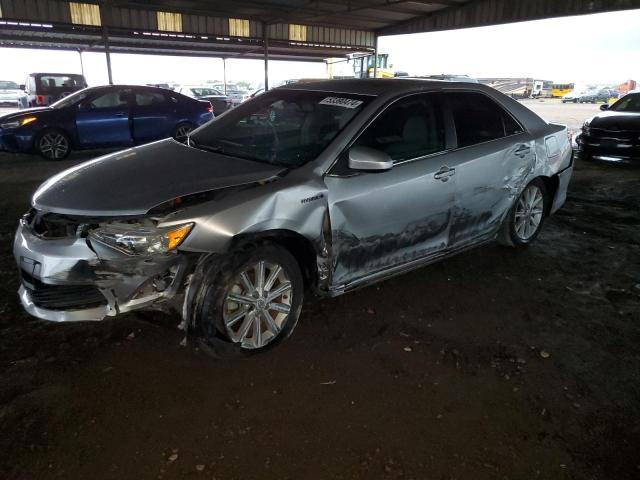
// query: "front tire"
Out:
[525,219]
[251,301]
[53,145]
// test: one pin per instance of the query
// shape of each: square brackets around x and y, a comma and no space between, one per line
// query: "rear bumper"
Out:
[564,177]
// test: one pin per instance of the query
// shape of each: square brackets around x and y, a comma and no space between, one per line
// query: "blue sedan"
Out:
[102,117]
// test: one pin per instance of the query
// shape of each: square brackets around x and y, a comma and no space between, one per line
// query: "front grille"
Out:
[50,225]
[622,135]
[62,297]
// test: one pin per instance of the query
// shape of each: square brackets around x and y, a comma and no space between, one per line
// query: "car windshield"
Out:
[57,83]
[628,103]
[8,85]
[281,127]
[72,99]
[202,91]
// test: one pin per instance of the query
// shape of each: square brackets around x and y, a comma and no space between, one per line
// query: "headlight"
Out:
[19,122]
[141,239]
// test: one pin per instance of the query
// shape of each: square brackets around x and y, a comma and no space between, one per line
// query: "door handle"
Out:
[444,173]
[120,114]
[522,150]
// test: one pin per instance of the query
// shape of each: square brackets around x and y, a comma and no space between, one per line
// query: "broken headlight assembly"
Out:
[140,238]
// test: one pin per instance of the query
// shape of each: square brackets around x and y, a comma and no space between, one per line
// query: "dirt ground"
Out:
[496,364]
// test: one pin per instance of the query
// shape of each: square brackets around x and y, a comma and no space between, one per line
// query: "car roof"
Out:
[35,74]
[143,87]
[378,86]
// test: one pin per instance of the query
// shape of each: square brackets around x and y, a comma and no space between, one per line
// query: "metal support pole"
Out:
[375,55]
[104,16]
[224,74]
[266,56]
[108,54]
[81,63]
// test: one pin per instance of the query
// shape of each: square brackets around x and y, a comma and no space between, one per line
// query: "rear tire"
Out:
[250,301]
[53,145]
[525,219]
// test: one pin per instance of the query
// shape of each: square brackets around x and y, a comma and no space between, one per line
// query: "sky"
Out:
[601,48]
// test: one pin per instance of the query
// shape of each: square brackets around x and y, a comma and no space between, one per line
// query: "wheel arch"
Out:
[73,141]
[303,249]
[551,185]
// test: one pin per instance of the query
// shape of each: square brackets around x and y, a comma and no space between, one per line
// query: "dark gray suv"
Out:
[313,188]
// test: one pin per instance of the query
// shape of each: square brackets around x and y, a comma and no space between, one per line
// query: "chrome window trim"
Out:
[486,142]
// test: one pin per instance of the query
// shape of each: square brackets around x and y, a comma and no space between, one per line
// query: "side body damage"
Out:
[345,230]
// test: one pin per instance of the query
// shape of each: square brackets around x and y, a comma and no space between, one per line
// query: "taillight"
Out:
[40,99]
[210,108]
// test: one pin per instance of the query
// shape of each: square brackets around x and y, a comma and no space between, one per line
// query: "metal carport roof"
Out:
[296,29]
[277,29]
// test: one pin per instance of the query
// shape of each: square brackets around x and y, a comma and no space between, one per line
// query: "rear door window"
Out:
[479,119]
[146,99]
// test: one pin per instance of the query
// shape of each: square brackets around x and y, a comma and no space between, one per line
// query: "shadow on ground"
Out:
[495,364]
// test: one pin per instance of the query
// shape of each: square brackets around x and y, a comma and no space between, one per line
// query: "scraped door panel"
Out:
[493,162]
[383,220]
[489,178]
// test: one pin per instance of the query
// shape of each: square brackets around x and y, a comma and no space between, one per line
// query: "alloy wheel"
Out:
[529,212]
[257,305]
[54,145]
[183,131]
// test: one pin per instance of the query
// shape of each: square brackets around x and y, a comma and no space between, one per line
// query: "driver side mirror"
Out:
[604,106]
[23,87]
[369,159]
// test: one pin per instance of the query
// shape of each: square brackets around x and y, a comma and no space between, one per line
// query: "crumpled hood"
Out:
[611,120]
[133,181]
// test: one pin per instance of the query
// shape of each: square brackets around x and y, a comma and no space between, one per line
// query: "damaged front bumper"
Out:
[75,279]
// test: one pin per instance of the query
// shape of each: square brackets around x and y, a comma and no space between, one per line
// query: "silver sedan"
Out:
[312,188]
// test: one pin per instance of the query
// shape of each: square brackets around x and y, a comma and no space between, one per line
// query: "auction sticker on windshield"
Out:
[341,102]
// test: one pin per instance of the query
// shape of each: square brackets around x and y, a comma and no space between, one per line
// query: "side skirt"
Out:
[391,272]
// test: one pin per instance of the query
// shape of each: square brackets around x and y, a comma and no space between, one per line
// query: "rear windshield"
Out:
[8,85]
[57,83]
[281,127]
[628,103]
